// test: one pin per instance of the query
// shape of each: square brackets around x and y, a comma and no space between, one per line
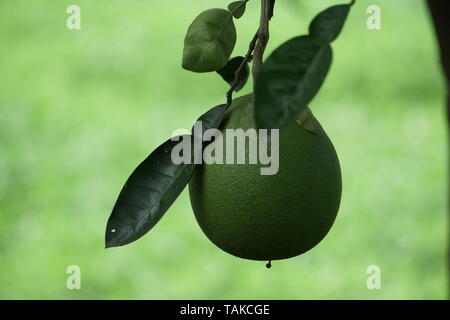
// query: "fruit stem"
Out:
[256,47]
[267,7]
[241,68]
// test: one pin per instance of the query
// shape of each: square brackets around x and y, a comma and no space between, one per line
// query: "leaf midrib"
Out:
[223,29]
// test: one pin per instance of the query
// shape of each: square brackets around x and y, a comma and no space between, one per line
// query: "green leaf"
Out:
[295,72]
[153,187]
[228,73]
[147,195]
[272,7]
[289,80]
[237,8]
[211,119]
[210,41]
[328,24]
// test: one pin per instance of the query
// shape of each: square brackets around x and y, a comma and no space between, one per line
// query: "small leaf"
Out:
[328,24]
[210,41]
[153,187]
[228,73]
[147,195]
[289,80]
[237,8]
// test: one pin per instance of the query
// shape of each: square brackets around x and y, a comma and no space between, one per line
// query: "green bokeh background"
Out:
[80,109]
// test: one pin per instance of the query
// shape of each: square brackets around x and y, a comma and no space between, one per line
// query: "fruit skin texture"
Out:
[269,217]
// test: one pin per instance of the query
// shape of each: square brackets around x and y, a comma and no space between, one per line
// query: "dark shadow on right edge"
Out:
[440,14]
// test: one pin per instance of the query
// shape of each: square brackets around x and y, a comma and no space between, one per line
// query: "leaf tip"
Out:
[110,240]
[237,8]
[115,236]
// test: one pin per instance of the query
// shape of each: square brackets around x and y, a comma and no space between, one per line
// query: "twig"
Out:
[267,7]
[241,68]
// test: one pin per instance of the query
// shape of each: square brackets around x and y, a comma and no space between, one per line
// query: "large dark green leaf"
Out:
[295,72]
[289,80]
[237,8]
[153,187]
[147,195]
[228,73]
[210,41]
[328,24]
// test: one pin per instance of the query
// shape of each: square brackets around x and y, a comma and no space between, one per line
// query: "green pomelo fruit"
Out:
[269,217]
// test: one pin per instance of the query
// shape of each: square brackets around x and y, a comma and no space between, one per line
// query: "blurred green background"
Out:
[80,109]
